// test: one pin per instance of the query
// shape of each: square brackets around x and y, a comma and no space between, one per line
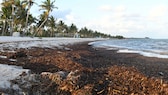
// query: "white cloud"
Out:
[61,13]
[120,8]
[70,17]
[118,20]
[74,18]
[158,11]
[109,8]
[132,24]
[157,22]
[106,8]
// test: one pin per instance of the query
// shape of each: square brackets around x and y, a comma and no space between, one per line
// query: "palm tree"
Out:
[61,26]
[73,28]
[40,20]
[29,3]
[4,19]
[52,25]
[83,32]
[47,6]
[12,13]
[19,14]
[7,15]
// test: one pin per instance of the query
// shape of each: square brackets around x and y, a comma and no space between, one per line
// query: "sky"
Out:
[129,18]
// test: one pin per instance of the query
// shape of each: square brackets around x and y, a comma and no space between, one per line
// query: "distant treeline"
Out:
[15,16]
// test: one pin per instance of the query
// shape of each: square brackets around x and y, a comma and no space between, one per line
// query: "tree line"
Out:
[15,16]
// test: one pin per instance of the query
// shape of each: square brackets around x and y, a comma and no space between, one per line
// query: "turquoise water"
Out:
[146,47]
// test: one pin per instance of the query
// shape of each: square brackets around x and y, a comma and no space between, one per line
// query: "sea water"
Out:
[147,47]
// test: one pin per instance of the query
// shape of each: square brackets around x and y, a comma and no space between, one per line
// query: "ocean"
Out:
[146,47]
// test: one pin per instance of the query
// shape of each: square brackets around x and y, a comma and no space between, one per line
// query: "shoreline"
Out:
[97,68]
[145,47]
[149,66]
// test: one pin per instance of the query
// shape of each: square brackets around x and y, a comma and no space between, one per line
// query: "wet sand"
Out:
[102,72]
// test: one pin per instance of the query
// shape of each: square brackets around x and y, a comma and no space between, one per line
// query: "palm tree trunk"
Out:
[4,25]
[52,32]
[40,26]
[27,18]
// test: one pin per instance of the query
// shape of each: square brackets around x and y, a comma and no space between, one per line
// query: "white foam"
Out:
[127,51]
[147,54]
[139,46]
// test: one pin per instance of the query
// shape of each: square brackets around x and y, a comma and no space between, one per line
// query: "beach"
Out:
[81,69]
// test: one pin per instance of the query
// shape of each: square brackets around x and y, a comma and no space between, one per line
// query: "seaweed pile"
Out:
[81,70]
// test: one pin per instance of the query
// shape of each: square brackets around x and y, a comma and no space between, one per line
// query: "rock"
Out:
[62,74]
[25,82]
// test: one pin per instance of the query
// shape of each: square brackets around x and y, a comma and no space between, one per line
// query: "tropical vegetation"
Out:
[15,16]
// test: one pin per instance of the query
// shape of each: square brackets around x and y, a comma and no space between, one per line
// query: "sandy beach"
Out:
[90,71]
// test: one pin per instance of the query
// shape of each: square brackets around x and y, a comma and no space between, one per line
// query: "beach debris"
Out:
[4,57]
[24,83]
[86,90]
[59,52]
[68,49]
[82,72]
[17,54]
[127,80]
[71,82]
[56,77]
[73,76]
[161,73]
[26,80]
[13,60]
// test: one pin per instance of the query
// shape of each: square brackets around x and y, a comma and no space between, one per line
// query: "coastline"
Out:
[97,68]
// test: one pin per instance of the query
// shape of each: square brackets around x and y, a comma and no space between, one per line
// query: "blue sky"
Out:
[130,18]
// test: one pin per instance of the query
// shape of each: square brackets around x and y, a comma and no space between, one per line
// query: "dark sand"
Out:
[102,72]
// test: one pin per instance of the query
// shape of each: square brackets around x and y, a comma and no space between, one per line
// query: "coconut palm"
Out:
[19,14]
[47,6]
[13,14]
[13,5]
[84,32]
[10,9]
[73,28]
[4,20]
[29,3]
[52,25]
[6,14]
[61,26]
[40,20]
